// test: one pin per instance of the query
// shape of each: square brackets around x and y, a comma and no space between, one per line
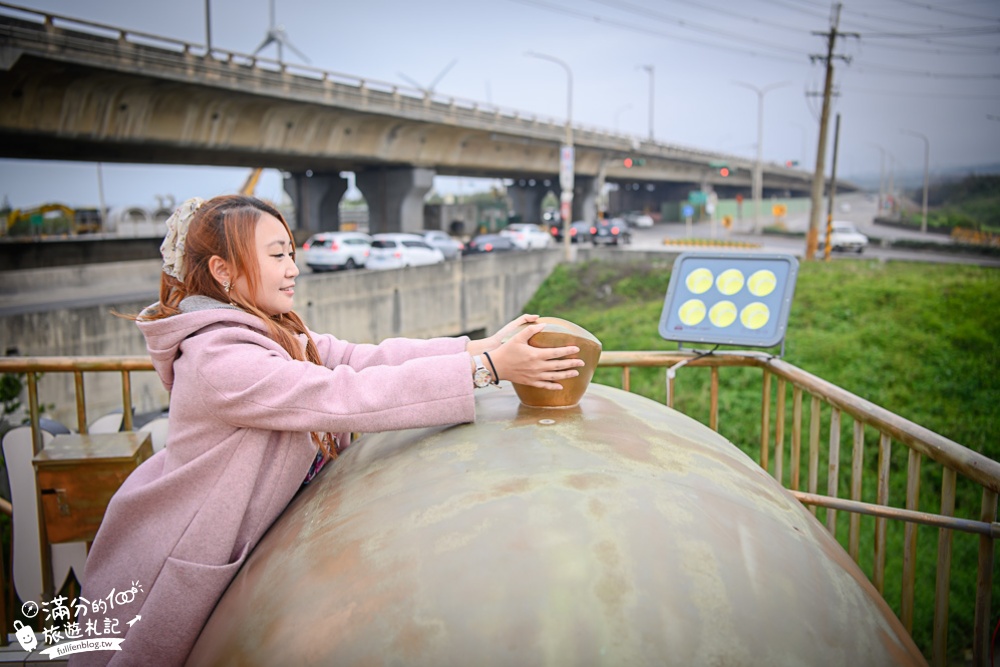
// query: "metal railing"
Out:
[958,464]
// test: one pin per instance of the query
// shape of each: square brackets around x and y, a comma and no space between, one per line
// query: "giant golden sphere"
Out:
[617,532]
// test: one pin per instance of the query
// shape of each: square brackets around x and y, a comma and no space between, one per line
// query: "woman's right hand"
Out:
[540,367]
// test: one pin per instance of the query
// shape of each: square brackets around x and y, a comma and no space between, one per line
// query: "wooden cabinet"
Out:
[78,474]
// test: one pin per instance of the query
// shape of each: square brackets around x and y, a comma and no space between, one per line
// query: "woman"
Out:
[258,404]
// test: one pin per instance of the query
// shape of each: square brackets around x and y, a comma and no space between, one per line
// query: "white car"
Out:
[527,236]
[449,247]
[396,251]
[637,219]
[327,251]
[845,236]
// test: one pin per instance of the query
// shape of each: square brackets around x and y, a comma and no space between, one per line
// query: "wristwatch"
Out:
[482,376]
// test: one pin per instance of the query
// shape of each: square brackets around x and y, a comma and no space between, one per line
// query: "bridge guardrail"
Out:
[84,34]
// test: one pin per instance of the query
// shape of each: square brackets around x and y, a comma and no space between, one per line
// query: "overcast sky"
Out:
[925,66]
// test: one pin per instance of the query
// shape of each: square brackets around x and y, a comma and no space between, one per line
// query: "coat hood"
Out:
[164,337]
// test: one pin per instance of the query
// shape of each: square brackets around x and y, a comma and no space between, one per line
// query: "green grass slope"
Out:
[920,340]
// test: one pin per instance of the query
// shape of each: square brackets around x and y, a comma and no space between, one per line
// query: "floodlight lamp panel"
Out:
[729,299]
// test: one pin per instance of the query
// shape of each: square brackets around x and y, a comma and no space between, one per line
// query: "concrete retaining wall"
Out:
[475,295]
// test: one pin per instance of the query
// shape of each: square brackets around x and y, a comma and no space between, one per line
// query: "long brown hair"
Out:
[226,226]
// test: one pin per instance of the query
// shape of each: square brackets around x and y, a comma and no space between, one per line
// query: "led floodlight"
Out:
[729,298]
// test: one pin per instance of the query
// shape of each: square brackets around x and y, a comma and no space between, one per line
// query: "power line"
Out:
[931,49]
[889,69]
[935,94]
[642,11]
[727,11]
[787,5]
[627,26]
[949,12]
[943,32]
[896,20]
[861,67]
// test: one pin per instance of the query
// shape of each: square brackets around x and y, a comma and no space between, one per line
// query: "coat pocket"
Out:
[177,608]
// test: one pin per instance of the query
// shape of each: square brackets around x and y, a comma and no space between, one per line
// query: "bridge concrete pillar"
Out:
[526,196]
[395,197]
[317,200]
[641,196]
[585,192]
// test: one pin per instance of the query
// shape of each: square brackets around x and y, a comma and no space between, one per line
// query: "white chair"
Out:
[157,430]
[26,544]
[109,423]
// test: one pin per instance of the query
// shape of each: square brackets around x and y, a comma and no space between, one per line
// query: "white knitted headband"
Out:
[172,247]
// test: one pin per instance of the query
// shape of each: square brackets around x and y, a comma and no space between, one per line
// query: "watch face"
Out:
[481,378]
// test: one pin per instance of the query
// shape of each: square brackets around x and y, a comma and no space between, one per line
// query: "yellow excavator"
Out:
[53,219]
[251,183]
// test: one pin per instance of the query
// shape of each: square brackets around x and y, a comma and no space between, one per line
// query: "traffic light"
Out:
[791,163]
[724,172]
[630,162]
[627,162]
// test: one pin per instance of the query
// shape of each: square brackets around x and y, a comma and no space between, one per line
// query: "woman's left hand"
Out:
[494,341]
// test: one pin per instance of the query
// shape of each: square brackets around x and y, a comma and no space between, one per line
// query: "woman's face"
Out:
[276,259]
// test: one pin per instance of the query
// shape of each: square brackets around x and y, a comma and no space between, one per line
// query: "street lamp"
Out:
[208,28]
[758,170]
[881,178]
[649,69]
[566,155]
[927,160]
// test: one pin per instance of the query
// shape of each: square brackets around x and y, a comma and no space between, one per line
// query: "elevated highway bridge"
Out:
[76,90]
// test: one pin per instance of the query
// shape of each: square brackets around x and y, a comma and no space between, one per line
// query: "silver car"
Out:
[449,247]
[328,251]
[396,251]
[527,236]
[845,236]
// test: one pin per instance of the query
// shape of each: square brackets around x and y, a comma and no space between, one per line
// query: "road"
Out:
[860,211]
[858,208]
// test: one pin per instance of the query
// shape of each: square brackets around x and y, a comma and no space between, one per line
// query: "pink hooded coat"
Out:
[241,410]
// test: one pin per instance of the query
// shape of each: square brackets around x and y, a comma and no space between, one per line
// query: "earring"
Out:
[226,286]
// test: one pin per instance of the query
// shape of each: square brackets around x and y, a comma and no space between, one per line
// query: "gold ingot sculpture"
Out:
[559,333]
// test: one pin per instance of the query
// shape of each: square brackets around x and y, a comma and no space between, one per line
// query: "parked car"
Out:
[526,236]
[449,246]
[395,251]
[327,251]
[485,243]
[613,231]
[579,232]
[638,219]
[845,236]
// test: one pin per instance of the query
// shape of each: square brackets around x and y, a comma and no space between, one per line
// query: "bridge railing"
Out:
[808,455]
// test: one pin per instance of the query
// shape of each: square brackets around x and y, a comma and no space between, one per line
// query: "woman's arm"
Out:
[390,352]
[247,380]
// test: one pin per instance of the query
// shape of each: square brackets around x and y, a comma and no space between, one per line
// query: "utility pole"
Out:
[833,191]
[567,158]
[650,70]
[812,235]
